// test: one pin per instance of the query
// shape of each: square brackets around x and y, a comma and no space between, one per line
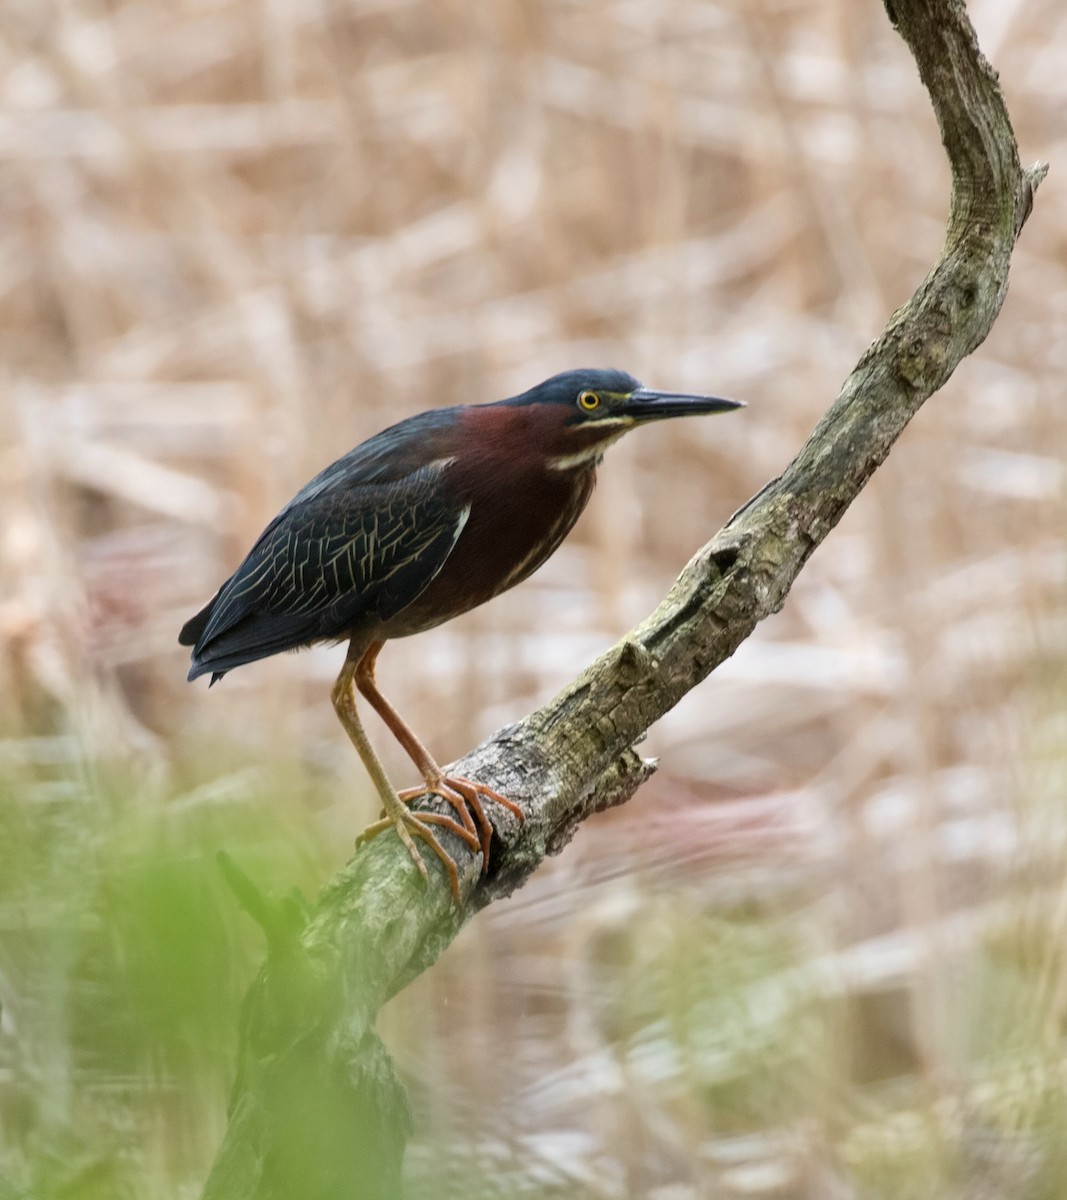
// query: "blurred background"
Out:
[820,953]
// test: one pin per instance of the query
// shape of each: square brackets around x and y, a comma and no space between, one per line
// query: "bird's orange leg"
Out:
[463,794]
[397,815]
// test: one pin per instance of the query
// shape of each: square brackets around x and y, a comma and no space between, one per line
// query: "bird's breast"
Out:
[516,522]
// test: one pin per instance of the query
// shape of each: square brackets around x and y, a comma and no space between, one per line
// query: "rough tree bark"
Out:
[317,1110]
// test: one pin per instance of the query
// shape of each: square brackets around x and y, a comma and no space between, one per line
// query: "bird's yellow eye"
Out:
[588,401]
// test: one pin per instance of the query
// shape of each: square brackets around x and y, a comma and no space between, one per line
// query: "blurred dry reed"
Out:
[820,954]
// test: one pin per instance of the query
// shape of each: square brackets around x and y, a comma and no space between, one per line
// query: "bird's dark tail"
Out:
[249,637]
[192,632]
[193,629]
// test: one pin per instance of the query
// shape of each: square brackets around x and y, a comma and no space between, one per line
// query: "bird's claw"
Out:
[473,826]
[409,826]
[464,795]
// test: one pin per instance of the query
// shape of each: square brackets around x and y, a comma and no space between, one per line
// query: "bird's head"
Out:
[585,411]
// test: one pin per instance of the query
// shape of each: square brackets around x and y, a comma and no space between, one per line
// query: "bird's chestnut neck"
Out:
[539,437]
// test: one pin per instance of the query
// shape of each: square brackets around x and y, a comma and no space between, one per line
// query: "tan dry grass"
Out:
[236,238]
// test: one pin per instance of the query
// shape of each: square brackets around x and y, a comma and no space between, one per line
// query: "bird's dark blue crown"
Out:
[563,388]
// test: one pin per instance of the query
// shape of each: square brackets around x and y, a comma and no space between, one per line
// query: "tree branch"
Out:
[317,1103]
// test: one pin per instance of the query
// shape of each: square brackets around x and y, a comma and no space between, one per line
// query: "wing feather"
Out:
[328,560]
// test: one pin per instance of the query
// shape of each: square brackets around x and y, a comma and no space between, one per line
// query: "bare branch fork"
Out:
[317,1110]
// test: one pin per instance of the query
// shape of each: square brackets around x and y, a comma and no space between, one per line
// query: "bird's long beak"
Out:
[648,405]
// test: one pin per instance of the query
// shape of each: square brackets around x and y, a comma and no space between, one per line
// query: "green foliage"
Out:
[123,961]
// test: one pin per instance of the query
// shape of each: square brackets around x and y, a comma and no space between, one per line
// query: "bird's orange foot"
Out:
[465,797]
[410,825]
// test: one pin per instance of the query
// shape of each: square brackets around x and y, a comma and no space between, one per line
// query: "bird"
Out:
[425,520]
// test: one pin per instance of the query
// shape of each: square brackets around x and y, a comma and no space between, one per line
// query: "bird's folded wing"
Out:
[324,563]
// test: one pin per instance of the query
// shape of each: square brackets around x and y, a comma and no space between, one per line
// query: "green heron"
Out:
[420,523]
